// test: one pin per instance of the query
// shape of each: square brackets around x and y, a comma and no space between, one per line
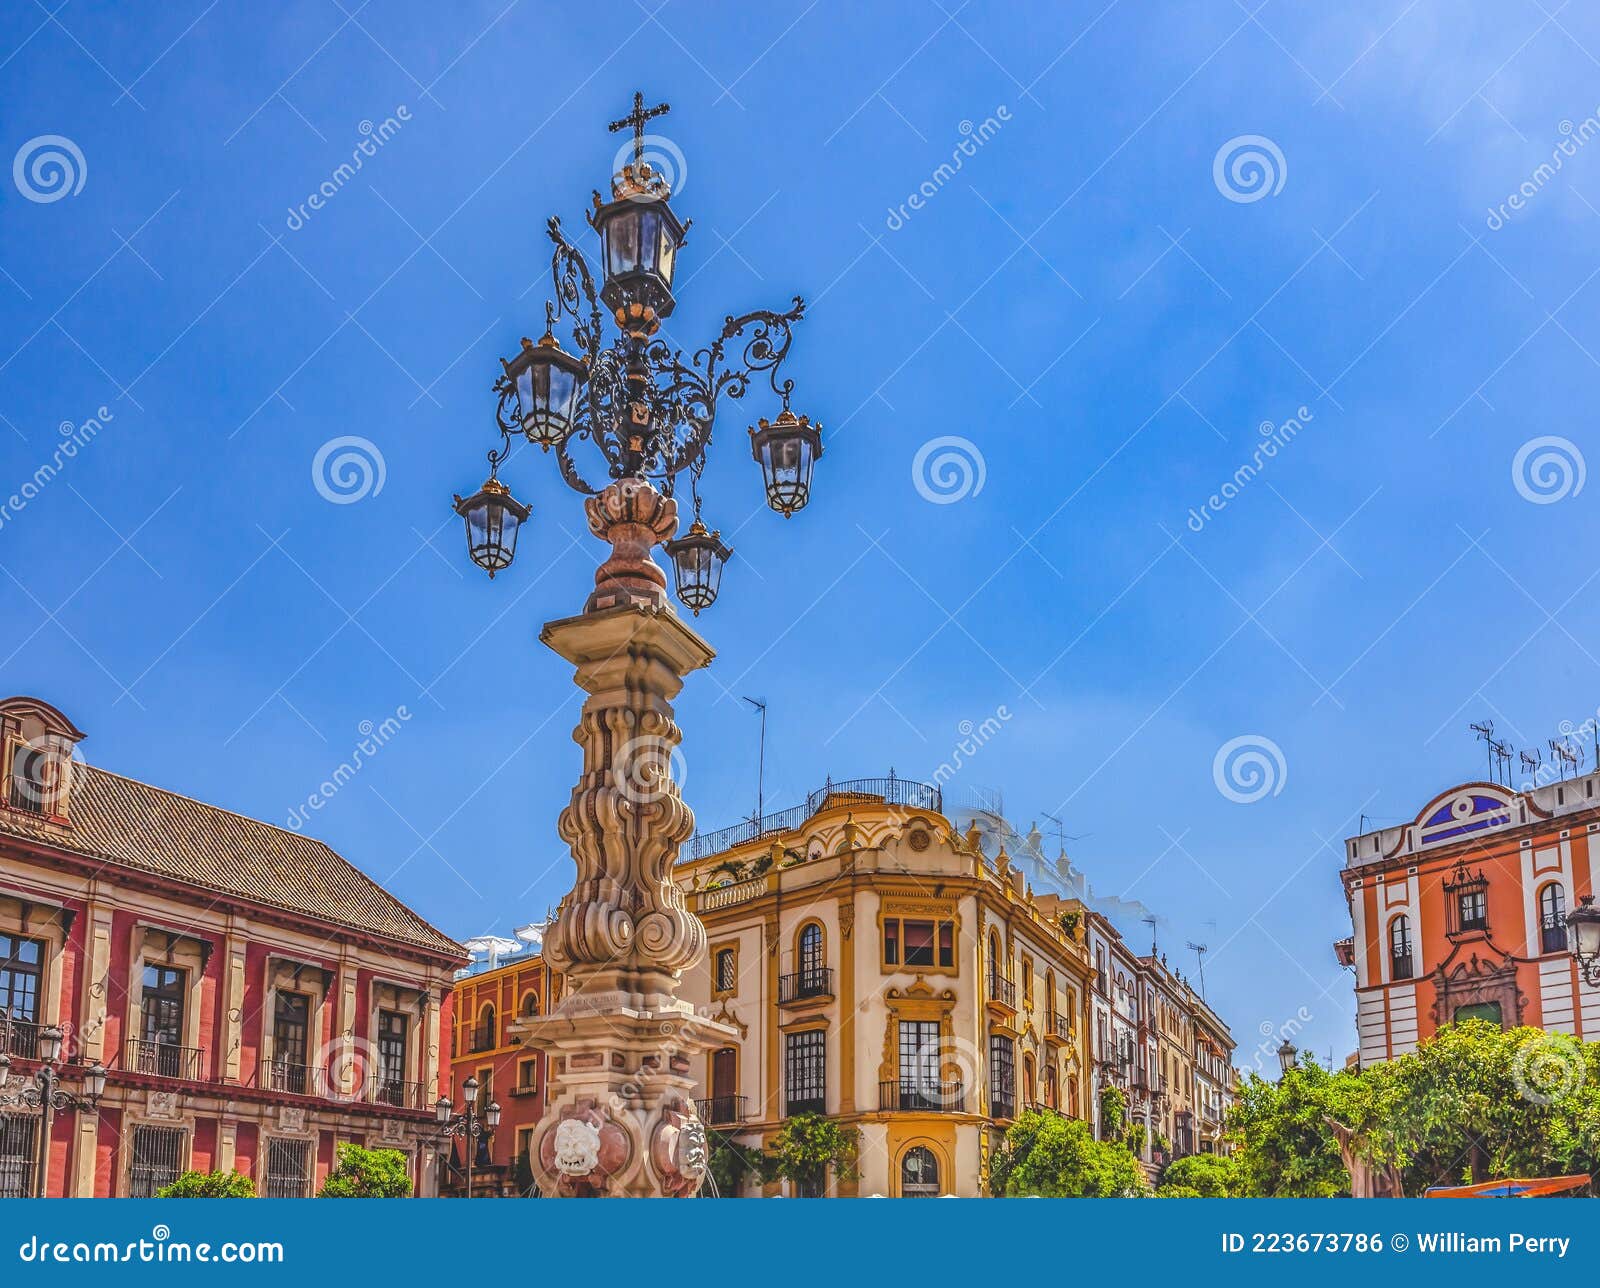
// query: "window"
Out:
[485,1035]
[724,1073]
[160,1048]
[1027,981]
[155,1160]
[1002,1077]
[811,962]
[530,1004]
[919,1174]
[21,974]
[17,1135]
[1553,918]
[920,943]
[1051,1095]
[1480,1011]
[288,1169]
[393,1031]
[31,787]
[727,970]
[805,1073]
[1473,910]
[291,1026]
[1400,962]
[528,1075]
[920,1082]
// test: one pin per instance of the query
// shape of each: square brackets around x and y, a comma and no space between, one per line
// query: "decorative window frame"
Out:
[903,908]
[717,949]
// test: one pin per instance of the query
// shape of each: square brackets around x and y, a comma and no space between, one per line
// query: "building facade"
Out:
[255,999]
[488,995]
[1462,913]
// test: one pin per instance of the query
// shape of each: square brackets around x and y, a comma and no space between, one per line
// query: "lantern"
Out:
[697,559]
[1286,1055]
[786,448]
[1583,925]
[639,240]
[493,516]
[94,1082]
[546,379]
[442,1110]
[491,1115]
[49,1043]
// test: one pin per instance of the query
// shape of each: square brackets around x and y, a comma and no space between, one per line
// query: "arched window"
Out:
[1072,1097]
[1401,963]
[1029,1083]
[484,1035]
[919,1174]
[999,986]
[1051,1097]
[530,1004]
[811,962]
[1553,918]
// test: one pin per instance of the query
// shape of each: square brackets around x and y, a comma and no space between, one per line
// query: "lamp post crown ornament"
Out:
[622,1049]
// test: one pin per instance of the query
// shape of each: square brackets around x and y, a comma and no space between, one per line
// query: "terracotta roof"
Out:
[149,829]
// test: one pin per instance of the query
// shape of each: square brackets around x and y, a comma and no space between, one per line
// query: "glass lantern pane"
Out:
[649,237]
[622,242]
[668,254]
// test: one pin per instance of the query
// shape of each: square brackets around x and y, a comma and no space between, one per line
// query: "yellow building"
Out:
[879,970]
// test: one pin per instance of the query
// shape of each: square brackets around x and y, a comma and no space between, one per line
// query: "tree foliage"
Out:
[731,1163]
[1474,1103]
[1048,1156]
[1113,1112]
[1201,1176]
[209,1185]
[806,1146]
[367,1174]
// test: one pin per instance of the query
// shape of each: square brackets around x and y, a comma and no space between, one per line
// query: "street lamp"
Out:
[626,406]
[44,1092]
[1287,1054]
[1583,926]
[468,1124]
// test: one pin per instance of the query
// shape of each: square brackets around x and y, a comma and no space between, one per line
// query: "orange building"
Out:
[1462,913]
[487,996]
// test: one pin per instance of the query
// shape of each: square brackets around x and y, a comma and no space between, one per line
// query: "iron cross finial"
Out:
[636,119]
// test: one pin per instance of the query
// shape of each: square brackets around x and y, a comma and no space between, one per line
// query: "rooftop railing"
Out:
[904,792]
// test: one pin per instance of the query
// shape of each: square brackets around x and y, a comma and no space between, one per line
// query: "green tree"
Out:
[805,1147]
[1048,1156]
[731,1163]
[1206,1176]
[209,1185]
[1283,1145]
[367,1174]
[1113,1112]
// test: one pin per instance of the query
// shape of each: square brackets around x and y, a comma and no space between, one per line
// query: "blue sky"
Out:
[1105,320]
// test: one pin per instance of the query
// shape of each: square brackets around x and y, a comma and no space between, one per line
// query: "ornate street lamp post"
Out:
[469,1125]
[621,1047]
[45,1093]
[1288,1054]
[1583,933]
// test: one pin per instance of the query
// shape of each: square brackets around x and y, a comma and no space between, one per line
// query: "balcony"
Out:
[1003,991]
[804,984]
[163,1060]
[922,1097]
[398,1094]
[295,1078]
[480,1037]
[19,1038]
[903,792]
[1002,1103]
[1057,1028]
[1552,934]
[1401,966]
[718,1111]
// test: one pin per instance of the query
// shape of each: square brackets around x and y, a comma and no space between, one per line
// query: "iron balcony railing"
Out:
[399,1094]
[1002,1104]
[1003,990]
[1553,933]
[19,1038]
[296,1078]
[1060,1026]
[918,1096]
[904,792]
[163,1060]
[481,1038]
[1401,966]
[817,982]
[716,1111]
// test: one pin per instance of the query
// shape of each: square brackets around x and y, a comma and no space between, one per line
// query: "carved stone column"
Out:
[621,1047]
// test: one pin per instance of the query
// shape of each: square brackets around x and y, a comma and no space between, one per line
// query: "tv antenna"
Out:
[1502,755]
[1061,834]
[1485,730]
[1151,922]
[760,704]
[1532,763]
[1565,755]
[1200,951]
